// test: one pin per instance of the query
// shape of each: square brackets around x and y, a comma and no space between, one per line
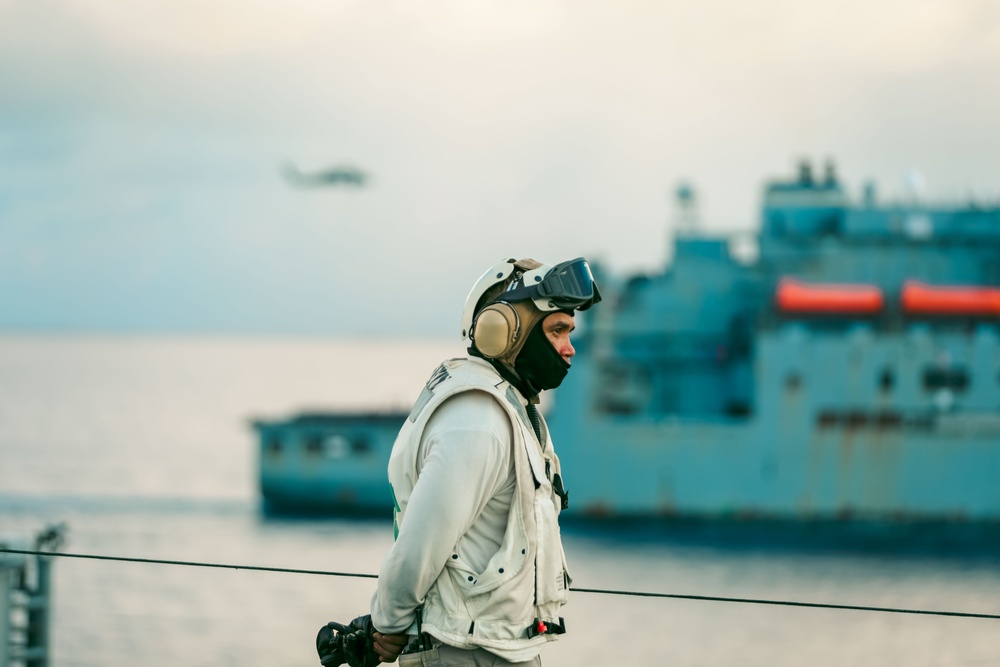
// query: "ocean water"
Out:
[142,448]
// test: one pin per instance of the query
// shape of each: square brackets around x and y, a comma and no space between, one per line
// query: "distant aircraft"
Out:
[343,175]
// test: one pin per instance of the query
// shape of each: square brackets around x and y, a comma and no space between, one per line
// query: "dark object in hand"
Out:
[353,643]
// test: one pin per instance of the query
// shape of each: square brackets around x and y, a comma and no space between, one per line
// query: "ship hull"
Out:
[934,470]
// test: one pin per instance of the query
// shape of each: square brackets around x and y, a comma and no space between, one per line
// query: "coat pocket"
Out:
[551,578]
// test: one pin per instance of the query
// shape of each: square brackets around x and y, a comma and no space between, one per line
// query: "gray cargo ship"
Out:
[847,368]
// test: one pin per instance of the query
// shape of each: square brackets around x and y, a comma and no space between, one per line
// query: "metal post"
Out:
[8,569]
[25,601]
[36,651]
[13,569]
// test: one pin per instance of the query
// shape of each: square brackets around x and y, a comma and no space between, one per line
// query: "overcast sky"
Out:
[141,143]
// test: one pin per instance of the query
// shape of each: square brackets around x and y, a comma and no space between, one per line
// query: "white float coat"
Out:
[451,552]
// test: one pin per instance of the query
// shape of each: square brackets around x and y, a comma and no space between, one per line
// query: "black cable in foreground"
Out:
[157,561]
[675,596]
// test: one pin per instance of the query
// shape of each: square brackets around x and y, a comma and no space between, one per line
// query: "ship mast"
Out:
[687,222]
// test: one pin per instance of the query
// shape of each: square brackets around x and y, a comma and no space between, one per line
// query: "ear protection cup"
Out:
[496,329]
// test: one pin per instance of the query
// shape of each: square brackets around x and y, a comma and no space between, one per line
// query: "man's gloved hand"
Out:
[330,644]
[353,643]
[357,644]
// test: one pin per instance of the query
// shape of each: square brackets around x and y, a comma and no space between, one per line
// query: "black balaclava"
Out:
[539,364]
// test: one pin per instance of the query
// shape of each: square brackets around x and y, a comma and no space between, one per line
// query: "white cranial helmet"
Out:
[513,295]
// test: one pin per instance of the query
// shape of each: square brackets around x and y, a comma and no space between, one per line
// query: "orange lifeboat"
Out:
[920,299]
[793,296]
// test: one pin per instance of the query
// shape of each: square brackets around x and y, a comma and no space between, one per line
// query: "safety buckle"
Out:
[540,627]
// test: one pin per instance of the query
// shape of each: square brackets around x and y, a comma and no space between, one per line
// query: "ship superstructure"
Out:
[851,370]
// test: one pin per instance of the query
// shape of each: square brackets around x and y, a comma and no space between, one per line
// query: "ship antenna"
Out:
[687,221]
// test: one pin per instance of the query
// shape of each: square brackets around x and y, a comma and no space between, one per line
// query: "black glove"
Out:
[353,643]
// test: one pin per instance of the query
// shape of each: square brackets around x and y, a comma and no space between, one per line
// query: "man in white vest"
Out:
[477,575]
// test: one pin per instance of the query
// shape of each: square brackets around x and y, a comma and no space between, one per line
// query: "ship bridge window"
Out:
[886,380]
[737,408]
[858,419]
[272,446]
[936,377]
[793,381]
[827,418]
[361,445]
[888,419]
[314,445]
